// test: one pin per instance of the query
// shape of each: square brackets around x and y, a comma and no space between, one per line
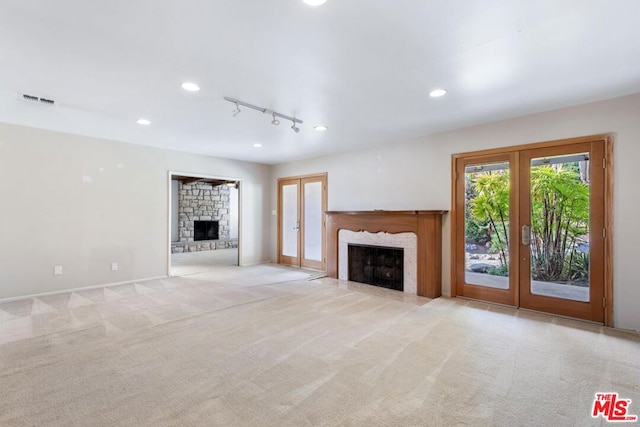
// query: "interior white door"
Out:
[301,221]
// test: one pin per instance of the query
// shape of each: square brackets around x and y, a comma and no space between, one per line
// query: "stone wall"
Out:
[200,201]
[205,245]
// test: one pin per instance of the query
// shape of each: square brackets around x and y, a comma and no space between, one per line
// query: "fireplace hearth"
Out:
[377,265]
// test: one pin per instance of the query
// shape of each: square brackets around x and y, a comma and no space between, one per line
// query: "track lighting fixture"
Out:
[236,111]
[274,114]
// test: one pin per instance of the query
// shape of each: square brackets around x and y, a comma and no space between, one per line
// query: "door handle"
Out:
[297,227]
[526,235]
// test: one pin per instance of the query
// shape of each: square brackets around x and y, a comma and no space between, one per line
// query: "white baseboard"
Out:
[85,288]
[250,264]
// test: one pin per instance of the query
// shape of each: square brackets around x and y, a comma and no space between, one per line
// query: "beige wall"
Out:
[417,175]
[49,216]
[175,208]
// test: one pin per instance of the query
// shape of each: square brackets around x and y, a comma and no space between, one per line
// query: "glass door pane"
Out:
[486,225]
[313,212]
[559,230]
[290,223]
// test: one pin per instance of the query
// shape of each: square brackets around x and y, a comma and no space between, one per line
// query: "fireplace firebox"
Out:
[377,265]
[205,230]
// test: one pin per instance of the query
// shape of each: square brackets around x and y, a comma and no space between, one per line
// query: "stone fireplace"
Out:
[417,233]
[203,217]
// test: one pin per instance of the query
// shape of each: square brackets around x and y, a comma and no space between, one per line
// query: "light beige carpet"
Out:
[262,346]
[187,263]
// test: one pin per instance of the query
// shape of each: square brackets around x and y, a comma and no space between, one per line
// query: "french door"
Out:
[530,227]
[302,202]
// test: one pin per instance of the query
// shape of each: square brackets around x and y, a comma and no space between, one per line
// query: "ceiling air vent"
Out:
[32,98]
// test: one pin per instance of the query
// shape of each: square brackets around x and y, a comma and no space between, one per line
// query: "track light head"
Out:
[275,121]
[295,128]
[237,110]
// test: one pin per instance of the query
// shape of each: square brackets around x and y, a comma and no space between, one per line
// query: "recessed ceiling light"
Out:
[190,87]
[257,145]
[143,122]
[320,128]
[437,93]
[315,2]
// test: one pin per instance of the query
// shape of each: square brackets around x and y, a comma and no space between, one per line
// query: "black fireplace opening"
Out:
[205,230]
[377,265]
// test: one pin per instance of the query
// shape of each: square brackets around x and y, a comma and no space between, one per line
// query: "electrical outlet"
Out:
[114,266]
[57,270]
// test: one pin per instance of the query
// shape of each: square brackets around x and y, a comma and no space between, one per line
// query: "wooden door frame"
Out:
[301,179]
[316,265]
[607,140]
[500,296]
[594,311]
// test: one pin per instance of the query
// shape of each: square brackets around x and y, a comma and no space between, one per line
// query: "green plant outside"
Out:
[559,218]
[491,206]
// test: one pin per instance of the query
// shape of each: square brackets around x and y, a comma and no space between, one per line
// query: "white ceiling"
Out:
[363,68]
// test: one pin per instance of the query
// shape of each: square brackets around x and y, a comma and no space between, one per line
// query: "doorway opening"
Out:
[204,223]
[532,227]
